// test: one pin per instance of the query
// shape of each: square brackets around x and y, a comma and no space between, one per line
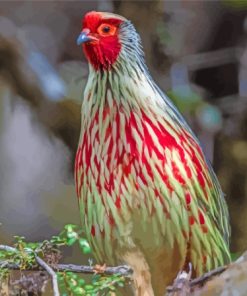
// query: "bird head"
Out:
[104,36]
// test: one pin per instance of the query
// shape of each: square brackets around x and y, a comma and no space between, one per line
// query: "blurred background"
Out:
[195,50]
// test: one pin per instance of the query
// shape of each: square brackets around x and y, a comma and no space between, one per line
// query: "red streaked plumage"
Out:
[148,198]
[165,140]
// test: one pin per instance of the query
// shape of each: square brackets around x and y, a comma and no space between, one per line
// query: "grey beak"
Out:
[82,38]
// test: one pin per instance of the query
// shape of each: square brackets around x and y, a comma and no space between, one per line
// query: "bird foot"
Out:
[182,282]
[184,275]
[99,269]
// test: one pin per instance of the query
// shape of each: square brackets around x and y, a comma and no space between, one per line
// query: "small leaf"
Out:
[121,283]
[70,227]
[81,282]
[84,246]
[71,241]
[89,287]
[79,291]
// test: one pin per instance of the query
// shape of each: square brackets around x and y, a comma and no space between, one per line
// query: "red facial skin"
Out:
[104,49]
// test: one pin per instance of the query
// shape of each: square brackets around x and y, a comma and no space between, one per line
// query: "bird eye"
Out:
[106,30]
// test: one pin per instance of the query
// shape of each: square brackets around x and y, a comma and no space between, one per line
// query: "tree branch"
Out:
[206,276]
[199,281]
[51,272]
[123,270]
[8,248]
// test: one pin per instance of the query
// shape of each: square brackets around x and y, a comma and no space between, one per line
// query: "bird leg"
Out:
[141,273]
[181,284]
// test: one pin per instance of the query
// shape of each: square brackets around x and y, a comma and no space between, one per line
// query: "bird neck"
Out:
[124,87]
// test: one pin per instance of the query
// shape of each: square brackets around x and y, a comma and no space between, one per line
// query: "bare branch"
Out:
[123,270]
[206,276]
[8,249]
[197,281]
[51,272]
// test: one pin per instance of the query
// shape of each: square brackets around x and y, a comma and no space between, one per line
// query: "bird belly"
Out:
[147,193]
[128,220]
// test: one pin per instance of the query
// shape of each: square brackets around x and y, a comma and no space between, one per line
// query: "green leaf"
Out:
[84,246]
[89,287]
[121,284]
[71,241]
[70,227]
[81,282]
[79,291]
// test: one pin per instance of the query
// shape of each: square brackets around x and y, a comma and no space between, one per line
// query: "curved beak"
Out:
[83,37]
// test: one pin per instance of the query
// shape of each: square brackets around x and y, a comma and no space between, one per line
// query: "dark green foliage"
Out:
[70,283]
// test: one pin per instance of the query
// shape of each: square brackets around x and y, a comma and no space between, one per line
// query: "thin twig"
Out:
[8,248]
[40,262]
[51,272]
[200,280]
[206,276]
[123,270]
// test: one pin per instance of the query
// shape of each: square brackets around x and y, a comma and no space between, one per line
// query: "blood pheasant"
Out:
[148,198]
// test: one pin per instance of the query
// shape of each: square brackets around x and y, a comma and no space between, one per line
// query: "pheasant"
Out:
[148,197]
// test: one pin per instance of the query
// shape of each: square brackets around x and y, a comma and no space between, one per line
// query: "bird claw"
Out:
[184,275]
[181,283]
[99,269]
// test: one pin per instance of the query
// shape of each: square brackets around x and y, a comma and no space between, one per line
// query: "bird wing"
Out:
[192,196]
